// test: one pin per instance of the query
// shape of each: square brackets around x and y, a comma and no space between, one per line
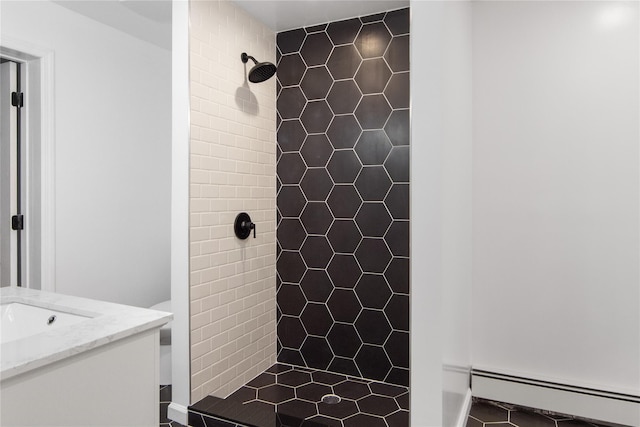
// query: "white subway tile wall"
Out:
[233,158]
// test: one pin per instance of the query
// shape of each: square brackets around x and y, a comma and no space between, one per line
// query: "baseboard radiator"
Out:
[591,403]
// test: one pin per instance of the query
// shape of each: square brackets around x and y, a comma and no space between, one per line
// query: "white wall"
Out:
[440,211]
[456,211]
[180,349]
[426,240]
[113,160]
[555,196]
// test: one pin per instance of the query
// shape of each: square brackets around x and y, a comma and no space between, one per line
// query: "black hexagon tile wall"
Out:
[343,196]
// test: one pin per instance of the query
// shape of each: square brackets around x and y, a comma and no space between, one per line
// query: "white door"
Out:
[11,261]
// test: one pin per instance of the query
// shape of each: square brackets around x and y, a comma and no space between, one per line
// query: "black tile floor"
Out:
[373,397]
[486,413]
[294,394]
[165,400]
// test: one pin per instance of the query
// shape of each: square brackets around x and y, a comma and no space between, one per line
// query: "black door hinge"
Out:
[17,222]
[17,99]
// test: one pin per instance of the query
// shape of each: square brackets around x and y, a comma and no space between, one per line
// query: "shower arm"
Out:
[245,58]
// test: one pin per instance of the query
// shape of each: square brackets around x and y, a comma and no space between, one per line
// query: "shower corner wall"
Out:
[343,197]
[232,169]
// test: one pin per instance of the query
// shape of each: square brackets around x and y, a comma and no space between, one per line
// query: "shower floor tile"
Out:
[292,396]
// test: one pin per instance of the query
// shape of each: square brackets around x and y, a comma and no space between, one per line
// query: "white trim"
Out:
[48,175]
[180,344]
[178,413]
[466,408]
[43,60]
[541,378]
[558,396]
[426,49]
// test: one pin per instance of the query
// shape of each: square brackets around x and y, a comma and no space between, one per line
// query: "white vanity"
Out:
[69,361]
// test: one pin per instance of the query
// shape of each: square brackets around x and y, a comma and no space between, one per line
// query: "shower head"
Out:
[261,71]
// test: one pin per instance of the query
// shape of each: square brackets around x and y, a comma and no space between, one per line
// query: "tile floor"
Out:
[495,414]
[295,394]
[373,397]
[165,400]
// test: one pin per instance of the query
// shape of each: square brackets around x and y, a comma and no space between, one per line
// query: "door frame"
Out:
[39,139]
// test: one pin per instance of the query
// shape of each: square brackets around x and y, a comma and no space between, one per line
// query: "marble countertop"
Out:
[107,322]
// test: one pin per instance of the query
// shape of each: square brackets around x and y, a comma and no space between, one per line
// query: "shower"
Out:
[329,169]
[261,71]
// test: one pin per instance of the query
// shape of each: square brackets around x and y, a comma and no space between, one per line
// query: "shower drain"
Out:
[331,399]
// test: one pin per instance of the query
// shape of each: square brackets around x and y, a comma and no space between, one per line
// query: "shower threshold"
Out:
[293,396]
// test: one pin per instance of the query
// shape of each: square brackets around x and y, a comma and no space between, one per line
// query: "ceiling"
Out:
[281,15]
[150,20]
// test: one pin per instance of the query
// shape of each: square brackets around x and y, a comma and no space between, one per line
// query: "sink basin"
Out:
[18,320]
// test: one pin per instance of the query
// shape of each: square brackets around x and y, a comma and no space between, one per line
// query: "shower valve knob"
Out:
[243,226]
